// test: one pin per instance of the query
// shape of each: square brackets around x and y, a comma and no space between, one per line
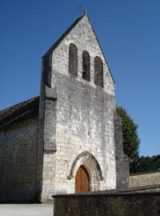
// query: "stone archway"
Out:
[92,167]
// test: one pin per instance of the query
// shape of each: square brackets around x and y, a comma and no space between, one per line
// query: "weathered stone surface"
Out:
[75,126]
[18,161]
[122,161]
[81,119]
[142,204]
[144,179]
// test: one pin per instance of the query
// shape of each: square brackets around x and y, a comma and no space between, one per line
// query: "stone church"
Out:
[68,139]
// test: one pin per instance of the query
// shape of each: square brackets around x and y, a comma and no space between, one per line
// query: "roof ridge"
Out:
[19,103]
[15,110]
[54,46]
[64,35]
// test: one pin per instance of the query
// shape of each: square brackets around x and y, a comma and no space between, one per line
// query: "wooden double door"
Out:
[82,182]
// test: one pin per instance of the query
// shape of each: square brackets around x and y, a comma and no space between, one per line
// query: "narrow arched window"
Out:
[98,67]
[86,66]
[73,60]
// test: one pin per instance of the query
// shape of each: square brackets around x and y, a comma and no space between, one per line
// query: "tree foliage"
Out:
[131,146]
[130,134]
[146,163]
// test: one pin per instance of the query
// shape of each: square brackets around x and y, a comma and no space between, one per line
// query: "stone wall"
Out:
[144,179]
[102,204]
[18,161]
[122,161]
[83,114]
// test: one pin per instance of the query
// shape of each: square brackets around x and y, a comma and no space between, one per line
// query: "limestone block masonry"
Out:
[45,141]
[83,114]
[18,161]
[144,179]
[113,204]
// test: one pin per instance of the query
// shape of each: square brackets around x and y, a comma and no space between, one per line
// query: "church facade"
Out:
[69,138]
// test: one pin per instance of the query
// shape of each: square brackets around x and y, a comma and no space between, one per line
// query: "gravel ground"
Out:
[26,209]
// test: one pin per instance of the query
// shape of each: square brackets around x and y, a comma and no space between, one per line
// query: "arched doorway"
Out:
[92,170]
[82,183]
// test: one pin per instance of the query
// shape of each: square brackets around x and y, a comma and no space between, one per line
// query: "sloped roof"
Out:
[55,45]
[29,108]
[63,36]
[20,111]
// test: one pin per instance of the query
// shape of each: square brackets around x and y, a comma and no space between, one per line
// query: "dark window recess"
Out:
[98,67]
[73,63]
[86,66]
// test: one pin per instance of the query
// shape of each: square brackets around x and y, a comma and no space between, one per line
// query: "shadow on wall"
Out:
[110,204]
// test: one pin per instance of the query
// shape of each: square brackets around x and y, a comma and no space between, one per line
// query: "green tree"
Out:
[130,135]
[146,164]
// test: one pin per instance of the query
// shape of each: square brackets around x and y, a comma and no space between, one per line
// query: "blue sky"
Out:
[129,33]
